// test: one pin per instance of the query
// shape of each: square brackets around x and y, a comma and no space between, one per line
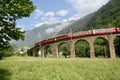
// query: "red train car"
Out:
[43,42]
[61,37]
[118,30]
[50,40]
[104,31]
[80,34]
[69,36]
[37,44]
[85,33]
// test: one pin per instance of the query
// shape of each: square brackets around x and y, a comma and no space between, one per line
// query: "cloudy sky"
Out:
[53,11]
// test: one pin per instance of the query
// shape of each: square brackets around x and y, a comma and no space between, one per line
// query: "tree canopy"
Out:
[105,17]
[10,11]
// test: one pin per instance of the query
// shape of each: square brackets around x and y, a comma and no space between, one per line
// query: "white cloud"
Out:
[57,28]
[85,7]
[50,14]
[62,12]
[38,24]
[61,26]
[50,20]
[46,20]
[65,20]
[75,17]
[53,20]
[49,30]
[38,12]
[48,17]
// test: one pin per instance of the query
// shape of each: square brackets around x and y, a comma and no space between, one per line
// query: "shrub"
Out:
[6,52]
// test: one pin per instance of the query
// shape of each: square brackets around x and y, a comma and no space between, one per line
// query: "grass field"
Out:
[30,68]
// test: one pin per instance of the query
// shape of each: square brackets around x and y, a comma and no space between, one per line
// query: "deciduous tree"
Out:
[10,11]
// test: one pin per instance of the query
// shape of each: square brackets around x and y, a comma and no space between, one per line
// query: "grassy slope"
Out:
[28,68]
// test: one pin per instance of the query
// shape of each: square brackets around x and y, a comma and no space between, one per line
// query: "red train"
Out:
[57,38]
[80,34]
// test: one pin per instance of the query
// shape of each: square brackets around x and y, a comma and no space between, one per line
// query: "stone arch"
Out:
[48,51]
[82,48]
[101,47]
[117,45]
[64,49]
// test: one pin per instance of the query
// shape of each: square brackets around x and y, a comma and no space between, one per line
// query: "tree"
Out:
[6,52]
[82,49]
[101,48]
[48,51]
[10,11]
[117,46]
[107,16]
[66,51]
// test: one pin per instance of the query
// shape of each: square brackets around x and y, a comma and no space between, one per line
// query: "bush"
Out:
[0,56]
[6,52]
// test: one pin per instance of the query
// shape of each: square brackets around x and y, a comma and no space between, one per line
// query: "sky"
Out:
[54,11]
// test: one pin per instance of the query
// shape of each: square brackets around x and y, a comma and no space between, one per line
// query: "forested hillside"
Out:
[106,16]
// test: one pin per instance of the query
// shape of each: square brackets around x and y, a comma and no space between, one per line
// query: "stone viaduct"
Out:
[90,39]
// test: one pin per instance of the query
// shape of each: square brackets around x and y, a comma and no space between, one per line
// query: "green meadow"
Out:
[31,68]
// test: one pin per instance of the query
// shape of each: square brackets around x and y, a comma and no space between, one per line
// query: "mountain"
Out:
[40,33]
[49,30]
[106,16]
[77,25]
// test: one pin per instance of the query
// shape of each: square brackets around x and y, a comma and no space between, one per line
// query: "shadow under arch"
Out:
[117,46]
[64,49]
[48,51]
[101,47]
[82,48]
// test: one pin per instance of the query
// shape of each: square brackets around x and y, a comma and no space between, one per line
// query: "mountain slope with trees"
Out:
[107,16]
[77,25]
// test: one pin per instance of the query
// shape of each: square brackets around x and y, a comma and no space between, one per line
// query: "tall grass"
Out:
[30,68]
